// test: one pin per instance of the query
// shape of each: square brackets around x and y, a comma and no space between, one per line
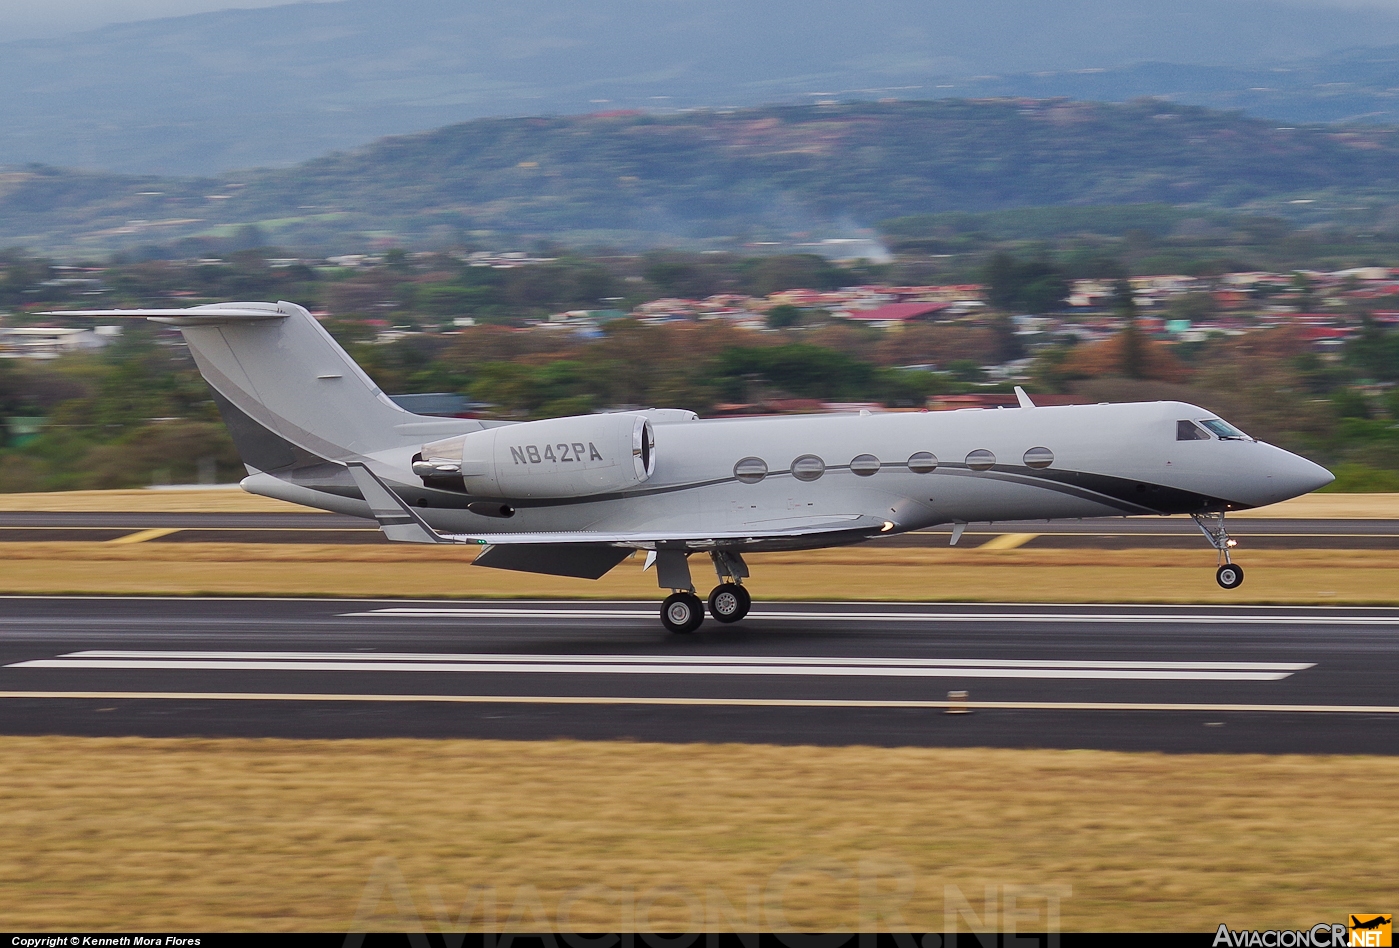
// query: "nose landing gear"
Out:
[1229,575]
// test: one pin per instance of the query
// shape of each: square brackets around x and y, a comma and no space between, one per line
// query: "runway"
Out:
[1239,679]
[1108,533]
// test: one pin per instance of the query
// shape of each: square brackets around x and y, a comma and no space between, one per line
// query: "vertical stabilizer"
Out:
[291,397]
[289,376]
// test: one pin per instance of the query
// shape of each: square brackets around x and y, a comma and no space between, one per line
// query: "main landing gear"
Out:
[729,602]
[1229,574]
[682,611]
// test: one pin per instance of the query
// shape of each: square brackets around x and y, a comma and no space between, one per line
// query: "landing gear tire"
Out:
[729,602]
[1229,576]
[682,612]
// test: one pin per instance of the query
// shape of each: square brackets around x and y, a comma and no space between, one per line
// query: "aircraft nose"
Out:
[1292,476]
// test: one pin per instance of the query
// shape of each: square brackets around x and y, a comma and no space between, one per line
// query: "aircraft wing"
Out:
[838,524]
[401,522]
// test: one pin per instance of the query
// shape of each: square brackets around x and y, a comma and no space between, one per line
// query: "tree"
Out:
[1002,285]
[1302,286]
[793,271]
[1008,344]
[1375,352]
[1131,352]
[783,316]
[1037,286]
[799,369]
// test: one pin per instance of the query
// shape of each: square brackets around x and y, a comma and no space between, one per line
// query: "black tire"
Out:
[682,612]
[729,602]
[1230,576]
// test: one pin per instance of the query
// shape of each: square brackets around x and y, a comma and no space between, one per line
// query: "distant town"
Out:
[1325,308]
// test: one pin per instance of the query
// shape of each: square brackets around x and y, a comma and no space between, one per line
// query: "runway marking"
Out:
[1008,541]
[141,536]
[708,702]
[794,616]
[852,667]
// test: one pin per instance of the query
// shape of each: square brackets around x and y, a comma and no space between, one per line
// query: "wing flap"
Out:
[581,560]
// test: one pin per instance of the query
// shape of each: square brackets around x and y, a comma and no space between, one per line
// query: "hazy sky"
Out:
[21,19]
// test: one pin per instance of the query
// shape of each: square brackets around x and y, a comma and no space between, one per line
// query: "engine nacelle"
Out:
[558,457]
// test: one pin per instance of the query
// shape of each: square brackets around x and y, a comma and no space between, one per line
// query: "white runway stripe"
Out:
[707,702]
[794,616]
[803,666]
[604,658]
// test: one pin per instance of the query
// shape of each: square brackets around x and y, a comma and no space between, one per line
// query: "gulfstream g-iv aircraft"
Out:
[576,496]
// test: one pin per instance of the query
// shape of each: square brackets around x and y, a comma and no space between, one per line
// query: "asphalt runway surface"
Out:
[1108,533]
[1176,679]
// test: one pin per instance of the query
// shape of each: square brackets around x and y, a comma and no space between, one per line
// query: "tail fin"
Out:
[288,376]
[291,397]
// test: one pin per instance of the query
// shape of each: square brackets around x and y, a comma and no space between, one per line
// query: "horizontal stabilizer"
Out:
[212,314]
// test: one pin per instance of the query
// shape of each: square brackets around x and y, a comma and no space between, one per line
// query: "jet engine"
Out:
[555,458]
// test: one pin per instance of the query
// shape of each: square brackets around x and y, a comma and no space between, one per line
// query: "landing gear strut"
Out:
[1229,575]
[729,601]
[682,611]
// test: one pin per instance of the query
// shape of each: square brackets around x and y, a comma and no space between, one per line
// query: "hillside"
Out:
[1353,86]
[241,88]
[767,173]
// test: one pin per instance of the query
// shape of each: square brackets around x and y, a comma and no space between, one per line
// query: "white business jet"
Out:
[576,496]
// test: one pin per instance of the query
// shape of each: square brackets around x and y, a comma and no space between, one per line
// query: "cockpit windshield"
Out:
[1223,430]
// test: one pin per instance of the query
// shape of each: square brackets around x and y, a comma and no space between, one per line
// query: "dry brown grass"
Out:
[1331,507]
[1309,507]
[222,500]
[237,834]
[853,573]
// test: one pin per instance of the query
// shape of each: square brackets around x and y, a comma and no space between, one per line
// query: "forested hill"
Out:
[748,174]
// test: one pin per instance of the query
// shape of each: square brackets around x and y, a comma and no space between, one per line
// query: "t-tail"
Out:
[296,405]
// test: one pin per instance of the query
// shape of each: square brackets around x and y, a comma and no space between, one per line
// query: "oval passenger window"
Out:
[1039,457]
[981,460]
[808,467]
[864,464]
[922,463]
[751,470]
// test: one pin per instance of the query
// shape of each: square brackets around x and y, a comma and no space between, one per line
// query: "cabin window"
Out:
[1189,431]
[1039,458]
[981,460]
[808,467]
[922,463]
[751,470]
[1224,431]
[864,464]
